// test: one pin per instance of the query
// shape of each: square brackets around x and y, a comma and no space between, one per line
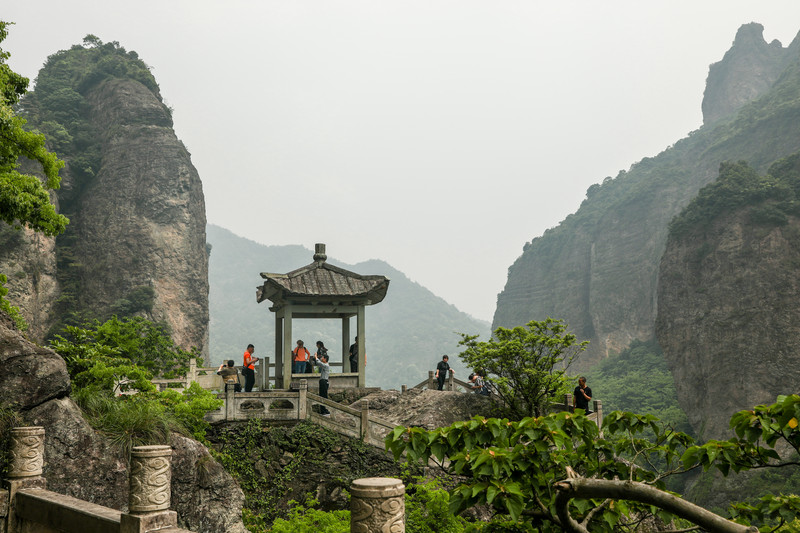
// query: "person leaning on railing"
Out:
[230,376]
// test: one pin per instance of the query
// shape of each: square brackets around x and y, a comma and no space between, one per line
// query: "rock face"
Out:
[31,375]
[598,270]
[142,219]
[728,315]
[430,409]
[747,71]
[81,463]
[136,242]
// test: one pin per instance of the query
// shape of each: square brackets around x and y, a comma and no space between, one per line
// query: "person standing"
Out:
[354,356]
[321,360]
[321,349]
[442,368]
[582,396]
[300,356]
[249,368]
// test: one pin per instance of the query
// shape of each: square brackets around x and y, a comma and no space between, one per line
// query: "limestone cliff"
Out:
[598,269]
[727,298]
[136,241]
[747,71]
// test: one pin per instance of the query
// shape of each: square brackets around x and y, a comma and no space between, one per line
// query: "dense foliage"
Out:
[276,466]
[771,198]
[24,198]
[638,380]
[526,366]
[123,355]
[559,472]
[101,354]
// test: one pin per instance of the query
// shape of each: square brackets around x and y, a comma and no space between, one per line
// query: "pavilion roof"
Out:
[321,282]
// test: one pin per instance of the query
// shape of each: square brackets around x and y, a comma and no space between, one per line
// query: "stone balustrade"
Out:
[26,506]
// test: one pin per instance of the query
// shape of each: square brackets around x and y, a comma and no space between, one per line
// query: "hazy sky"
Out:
[439,136]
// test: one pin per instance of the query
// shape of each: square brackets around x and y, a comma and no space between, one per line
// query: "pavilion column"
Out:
[346,344]
[287,346]
[278,348]
[362,347]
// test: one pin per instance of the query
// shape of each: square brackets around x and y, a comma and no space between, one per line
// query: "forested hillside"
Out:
[407,333]
[598,269]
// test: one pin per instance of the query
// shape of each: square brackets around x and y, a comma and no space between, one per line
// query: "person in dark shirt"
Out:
[582,396]
[354,356]
[441,371]
[230,376]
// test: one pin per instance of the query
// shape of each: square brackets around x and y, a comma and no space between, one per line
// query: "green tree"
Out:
[560,473]
[99,354]
[24,199]
[525,365]
[118,355]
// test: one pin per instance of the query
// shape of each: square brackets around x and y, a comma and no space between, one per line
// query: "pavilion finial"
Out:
[319,252]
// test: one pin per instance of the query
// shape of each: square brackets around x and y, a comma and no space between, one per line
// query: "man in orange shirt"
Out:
[300,357]
[249,368]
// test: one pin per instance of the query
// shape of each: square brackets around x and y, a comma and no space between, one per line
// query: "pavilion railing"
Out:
[300,404]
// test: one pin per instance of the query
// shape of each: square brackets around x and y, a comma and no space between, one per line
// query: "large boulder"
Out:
[31,375]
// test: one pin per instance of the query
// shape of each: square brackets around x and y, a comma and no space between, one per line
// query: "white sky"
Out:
[439,136]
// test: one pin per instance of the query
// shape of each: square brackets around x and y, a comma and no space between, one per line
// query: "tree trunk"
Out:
[635,491]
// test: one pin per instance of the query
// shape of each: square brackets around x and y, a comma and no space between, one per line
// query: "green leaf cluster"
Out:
[306,519]
[24,198]
[428,508]
[104,359]
[100,354]
[526,366]
[513,466]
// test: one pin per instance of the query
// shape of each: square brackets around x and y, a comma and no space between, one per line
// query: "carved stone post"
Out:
[431,380]
[450,381]
[24,472]
[150,487]
[27,452]
[568,403]
[150,477]
[377,505]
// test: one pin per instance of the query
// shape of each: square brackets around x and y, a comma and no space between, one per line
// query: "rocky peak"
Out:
[136,242]
[746,72]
